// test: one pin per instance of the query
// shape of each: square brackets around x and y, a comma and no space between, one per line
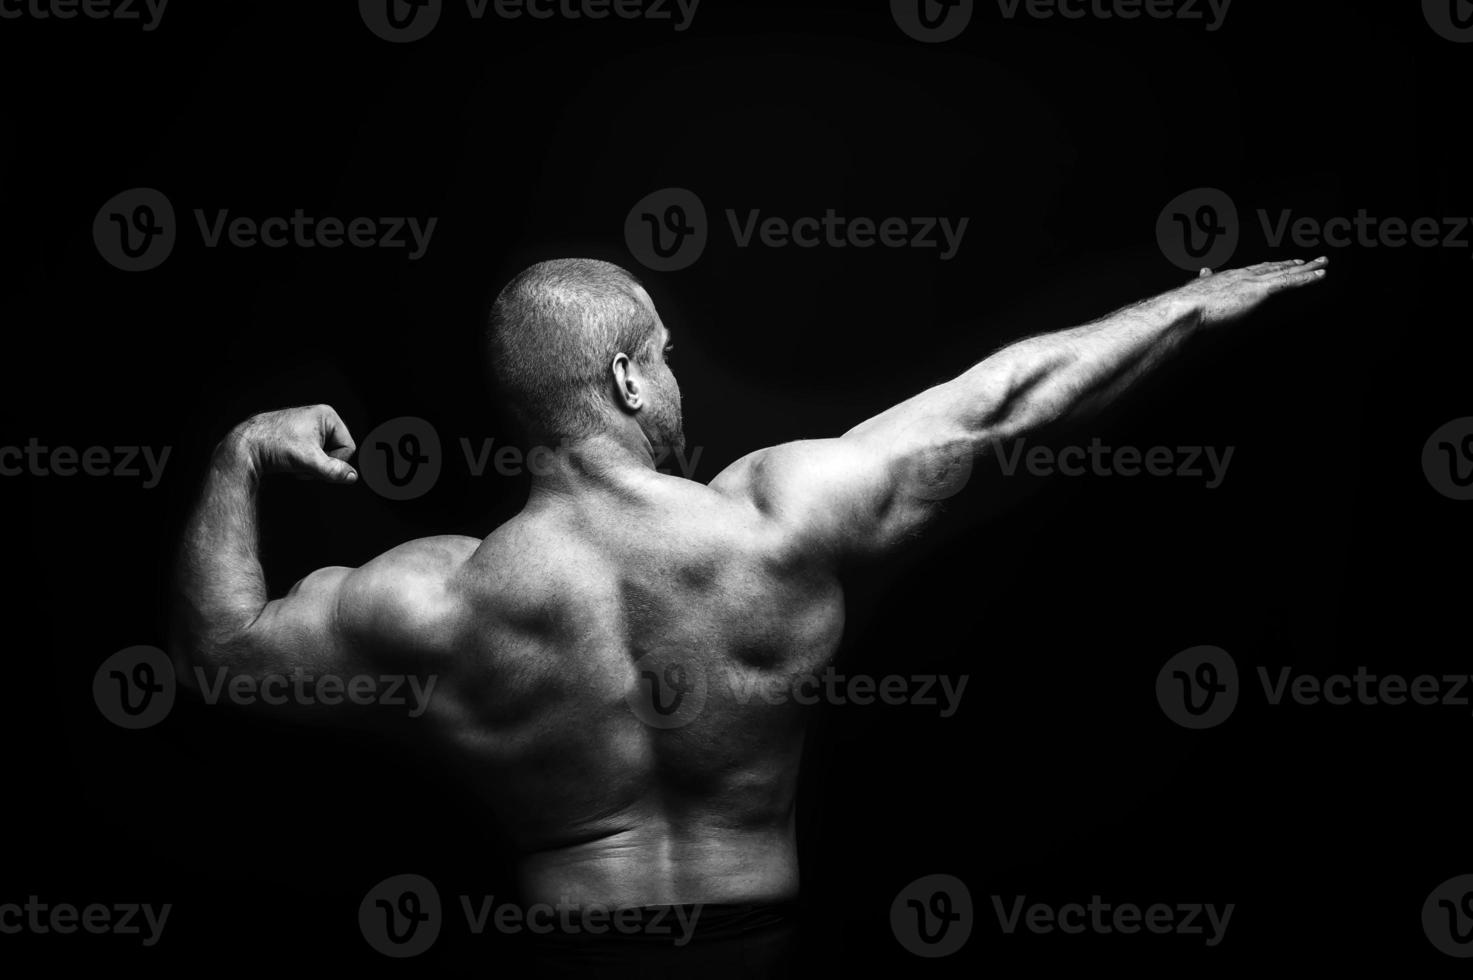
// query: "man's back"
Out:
[610,671]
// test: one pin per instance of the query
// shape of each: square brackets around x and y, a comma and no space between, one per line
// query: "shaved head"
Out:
[553,333]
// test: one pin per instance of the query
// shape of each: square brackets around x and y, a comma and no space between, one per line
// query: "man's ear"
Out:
[628,391]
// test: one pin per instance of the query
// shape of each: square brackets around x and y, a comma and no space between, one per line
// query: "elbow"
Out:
[197,649]
[1035,394]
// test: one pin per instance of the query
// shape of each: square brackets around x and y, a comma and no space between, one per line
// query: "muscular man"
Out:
[547,637]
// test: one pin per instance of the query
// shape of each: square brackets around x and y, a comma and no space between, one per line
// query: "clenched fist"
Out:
[310,443]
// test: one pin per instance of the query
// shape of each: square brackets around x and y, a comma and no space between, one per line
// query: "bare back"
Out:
[615,687]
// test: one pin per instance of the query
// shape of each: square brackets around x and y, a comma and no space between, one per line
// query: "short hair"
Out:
[552,334]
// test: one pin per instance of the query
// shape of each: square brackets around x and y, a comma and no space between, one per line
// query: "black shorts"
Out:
[664,942]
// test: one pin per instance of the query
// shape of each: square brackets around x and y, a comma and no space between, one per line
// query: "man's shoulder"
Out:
[802,488]
[411,591]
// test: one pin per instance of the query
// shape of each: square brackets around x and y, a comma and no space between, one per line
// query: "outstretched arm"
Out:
[223,616]
[884,480]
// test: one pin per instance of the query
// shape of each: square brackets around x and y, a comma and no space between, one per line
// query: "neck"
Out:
[610,460]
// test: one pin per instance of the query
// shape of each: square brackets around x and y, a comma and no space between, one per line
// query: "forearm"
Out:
[221,588]
[1048,378]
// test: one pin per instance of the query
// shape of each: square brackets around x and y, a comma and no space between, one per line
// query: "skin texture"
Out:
[540,636]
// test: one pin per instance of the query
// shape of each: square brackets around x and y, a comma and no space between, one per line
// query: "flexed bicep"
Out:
[336,620]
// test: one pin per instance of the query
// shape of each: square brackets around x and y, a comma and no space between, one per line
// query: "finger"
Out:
[1293,280]
[1263,268]
[1298,266]
[334,470]
[336,439]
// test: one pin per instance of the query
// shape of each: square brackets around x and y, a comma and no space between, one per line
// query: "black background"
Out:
[1060,777]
